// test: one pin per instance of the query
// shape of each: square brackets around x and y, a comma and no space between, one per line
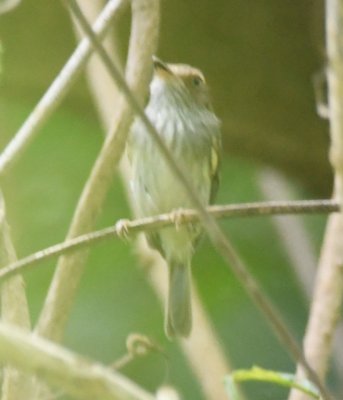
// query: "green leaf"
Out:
[264,375]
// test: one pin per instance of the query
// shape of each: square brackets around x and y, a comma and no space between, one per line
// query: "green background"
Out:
[259,57]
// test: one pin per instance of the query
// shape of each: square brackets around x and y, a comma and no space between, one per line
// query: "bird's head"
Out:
[180,80]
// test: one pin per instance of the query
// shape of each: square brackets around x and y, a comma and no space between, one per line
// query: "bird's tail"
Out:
[178,320]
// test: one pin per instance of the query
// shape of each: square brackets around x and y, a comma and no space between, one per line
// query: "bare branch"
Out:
[127,227]
[143,40]
[328,290]
[216,235]
[14,310]
[56,365]
[104,91]
[59,88]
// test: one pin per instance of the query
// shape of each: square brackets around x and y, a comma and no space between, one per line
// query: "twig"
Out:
[59,88]
[122,362]
[137,345]
[328,290]
[104,91]
[56,365]
[143,40]
[216,235]
[14,310]
[127,228]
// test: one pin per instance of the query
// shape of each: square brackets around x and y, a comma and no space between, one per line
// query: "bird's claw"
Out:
[122,229]
[178,217]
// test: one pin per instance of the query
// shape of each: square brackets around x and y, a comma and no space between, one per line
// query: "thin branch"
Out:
[59,87]
[137,345]
[14,307]
[328,290]
[126,228]
[104,91]
[143,41]
[14,310]
[56,365]
[217,236]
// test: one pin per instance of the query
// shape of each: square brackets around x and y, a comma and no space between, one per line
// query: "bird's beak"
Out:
[160,67]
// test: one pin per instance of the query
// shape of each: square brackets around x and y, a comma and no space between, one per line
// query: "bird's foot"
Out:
[122,229]
[178,217]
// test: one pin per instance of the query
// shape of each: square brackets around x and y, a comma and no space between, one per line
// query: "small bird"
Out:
[179,107]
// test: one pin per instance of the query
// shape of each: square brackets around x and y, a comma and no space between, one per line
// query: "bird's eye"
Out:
[197,81]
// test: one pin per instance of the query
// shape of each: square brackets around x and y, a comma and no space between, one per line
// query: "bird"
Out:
[179,107]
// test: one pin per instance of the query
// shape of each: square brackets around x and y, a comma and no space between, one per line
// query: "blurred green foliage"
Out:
[264,375]
[259,59]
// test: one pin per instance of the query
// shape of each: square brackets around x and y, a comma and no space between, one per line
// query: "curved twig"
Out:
[14,310]
[127,228]
[328,289]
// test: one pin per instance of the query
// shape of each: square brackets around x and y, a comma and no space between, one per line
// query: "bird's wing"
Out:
[215,161]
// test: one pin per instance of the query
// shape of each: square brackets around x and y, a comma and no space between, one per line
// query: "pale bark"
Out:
[128,228]
[328,290]
[60,367]
[14,310]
